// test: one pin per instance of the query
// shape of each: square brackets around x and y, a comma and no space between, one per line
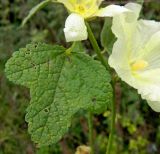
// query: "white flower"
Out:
[136,54]
[71,29]
[75,29]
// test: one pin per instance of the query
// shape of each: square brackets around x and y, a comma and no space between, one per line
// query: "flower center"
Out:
[80,9]
[139,65]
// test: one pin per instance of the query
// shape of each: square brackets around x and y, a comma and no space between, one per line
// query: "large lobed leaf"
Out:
[60,85]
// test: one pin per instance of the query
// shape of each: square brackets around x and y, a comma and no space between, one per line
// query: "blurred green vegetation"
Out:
[137,126]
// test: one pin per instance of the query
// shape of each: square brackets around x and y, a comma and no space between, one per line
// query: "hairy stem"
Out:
[105,63]
[96,46]
[90,125]
[113,117]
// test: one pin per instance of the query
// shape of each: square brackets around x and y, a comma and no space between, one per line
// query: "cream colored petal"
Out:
[151,51]
[136,8]
[154,105]
[145,29]
[148,80]
[119,61]
[120,57]
[147,47]
[126,33]
[124,24]
[149,91]
[138,40]
[135,31]
[75,28]
[148,84]
[122,28]
[111,11]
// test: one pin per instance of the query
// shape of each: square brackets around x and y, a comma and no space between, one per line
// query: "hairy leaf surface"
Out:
[60,85]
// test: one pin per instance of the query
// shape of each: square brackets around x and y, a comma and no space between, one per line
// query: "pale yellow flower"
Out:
[136,53]
[81,10]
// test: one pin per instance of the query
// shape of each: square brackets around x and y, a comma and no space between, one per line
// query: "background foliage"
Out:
[137,126]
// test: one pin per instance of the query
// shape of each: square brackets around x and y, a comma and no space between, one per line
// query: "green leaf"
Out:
[60,85]
[107,37]
[34,10]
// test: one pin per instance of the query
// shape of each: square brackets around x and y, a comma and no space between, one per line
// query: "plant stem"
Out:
[96,47]
[90,125]
[113,117]
[105,63]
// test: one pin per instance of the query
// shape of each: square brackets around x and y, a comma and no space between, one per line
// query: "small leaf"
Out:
[60,85]
[33,11]
[107,37]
